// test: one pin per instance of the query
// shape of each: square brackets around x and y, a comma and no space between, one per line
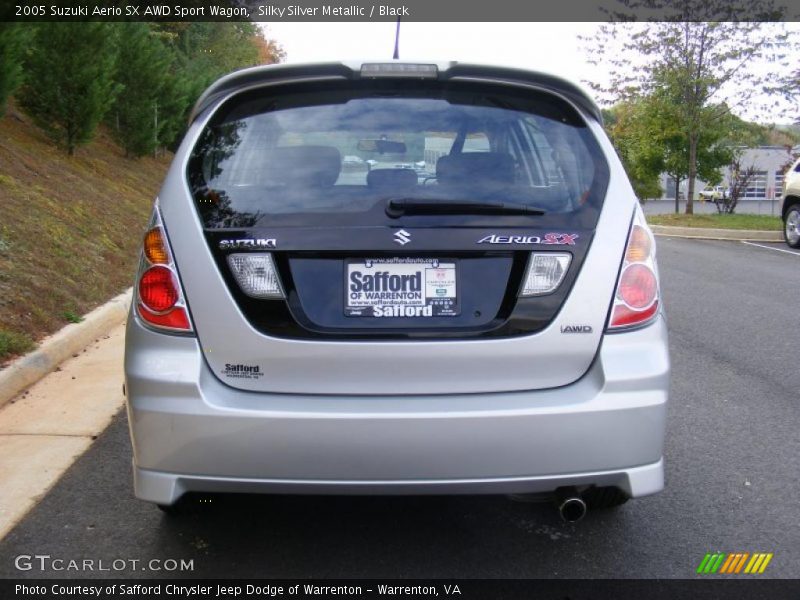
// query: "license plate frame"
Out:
[402,287]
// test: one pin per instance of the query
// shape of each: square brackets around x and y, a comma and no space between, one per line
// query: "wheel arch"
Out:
[788,202]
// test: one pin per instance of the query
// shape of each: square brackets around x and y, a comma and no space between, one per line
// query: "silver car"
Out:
[493,327]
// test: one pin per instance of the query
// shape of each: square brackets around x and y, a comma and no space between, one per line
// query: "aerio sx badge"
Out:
[548,239]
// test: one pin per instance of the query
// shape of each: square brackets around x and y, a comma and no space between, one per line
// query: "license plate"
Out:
[401,287]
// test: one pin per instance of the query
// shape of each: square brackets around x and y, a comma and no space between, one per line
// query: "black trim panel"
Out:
[512,315]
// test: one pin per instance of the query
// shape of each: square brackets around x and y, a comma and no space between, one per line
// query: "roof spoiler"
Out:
[448,71]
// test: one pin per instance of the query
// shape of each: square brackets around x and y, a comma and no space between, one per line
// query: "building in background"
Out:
[770,163]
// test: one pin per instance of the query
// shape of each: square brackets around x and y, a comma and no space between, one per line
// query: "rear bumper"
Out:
[166,488]
[190,432]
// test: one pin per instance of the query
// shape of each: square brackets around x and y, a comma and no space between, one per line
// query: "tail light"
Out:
[159,298]
[637,297]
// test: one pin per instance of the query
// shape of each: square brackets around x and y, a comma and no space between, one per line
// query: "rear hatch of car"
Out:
[396,235]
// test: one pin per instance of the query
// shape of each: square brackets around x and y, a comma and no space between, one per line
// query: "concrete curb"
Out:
[742,235]
[55,349]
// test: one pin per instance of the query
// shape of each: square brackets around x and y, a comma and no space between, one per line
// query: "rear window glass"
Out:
[306,158]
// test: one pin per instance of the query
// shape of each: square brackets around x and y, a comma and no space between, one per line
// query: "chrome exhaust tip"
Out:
[570,505]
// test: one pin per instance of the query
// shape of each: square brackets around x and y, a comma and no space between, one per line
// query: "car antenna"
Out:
[396,54]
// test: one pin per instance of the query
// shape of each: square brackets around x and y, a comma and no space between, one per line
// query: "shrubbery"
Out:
[141,78]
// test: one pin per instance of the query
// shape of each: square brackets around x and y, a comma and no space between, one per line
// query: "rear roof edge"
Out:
[352,70]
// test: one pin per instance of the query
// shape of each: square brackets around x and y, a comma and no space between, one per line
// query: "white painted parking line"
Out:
[771,248]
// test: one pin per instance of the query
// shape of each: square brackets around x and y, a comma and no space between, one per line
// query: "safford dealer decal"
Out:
[554,239]
[240,371]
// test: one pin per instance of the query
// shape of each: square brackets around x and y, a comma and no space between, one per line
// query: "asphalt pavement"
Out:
[732,473]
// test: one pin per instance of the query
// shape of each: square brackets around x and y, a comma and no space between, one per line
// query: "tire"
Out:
[171,510]
[182,506]
[604,497]
[791,226]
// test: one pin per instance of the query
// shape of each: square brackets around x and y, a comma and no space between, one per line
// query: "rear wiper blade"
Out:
[397,207]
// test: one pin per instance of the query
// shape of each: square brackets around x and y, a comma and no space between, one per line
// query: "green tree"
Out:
[712,155]
[713,149]
[206,51]
[143,74]
[697,64]
[174,103]
[640,152]
[70,79]
[649,139]
[13,38]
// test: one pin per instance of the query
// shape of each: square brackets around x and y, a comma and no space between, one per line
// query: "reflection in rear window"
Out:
[311,159]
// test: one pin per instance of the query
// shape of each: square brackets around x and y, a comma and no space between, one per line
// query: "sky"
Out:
[553,47]
[550,46]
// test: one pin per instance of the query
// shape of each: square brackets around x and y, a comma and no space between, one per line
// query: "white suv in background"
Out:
[790,211]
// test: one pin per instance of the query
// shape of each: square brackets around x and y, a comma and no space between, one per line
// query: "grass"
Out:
[72,316]
[69,231]
[14,343]
[753,222]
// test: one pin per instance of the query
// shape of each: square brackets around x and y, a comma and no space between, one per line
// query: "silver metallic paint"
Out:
[525,414]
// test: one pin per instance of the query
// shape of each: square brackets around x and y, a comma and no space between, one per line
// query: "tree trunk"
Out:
[677,195]
[692,172]
[155,129]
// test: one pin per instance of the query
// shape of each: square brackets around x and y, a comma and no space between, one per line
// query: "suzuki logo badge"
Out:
[402,237]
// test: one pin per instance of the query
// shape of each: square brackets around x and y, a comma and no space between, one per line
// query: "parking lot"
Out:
[732,472]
